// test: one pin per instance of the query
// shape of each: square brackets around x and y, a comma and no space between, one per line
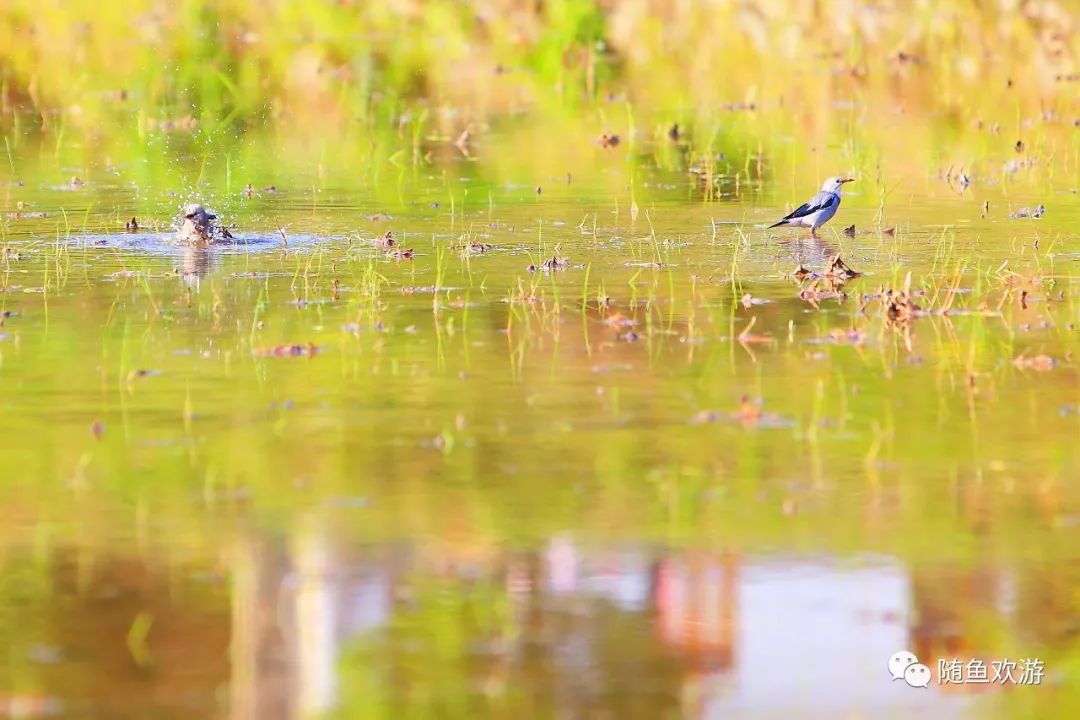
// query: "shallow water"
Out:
[299,477]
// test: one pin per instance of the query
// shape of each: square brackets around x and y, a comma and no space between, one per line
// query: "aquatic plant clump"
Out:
[438,359]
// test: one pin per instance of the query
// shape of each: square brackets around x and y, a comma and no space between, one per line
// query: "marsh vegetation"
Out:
[502,399]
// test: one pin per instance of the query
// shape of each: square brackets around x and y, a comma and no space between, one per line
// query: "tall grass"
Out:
[239,62]
[191,95]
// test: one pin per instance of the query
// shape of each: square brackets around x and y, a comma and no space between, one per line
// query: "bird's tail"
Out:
[782,222]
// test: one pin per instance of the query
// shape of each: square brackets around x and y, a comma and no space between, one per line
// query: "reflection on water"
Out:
[809,251]
[307,624]
[195,264]
[538,491]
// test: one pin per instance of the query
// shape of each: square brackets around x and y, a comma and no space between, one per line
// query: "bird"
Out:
[197,228]
[819,209]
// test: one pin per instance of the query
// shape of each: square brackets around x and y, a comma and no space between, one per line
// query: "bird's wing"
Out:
[819,202]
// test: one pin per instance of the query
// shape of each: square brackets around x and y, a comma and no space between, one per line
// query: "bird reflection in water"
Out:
[811,251]
[195,263]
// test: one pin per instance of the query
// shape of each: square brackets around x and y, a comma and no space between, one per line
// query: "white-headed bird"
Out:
[819,209]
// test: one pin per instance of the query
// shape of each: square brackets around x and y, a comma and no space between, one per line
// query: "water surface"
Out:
[591,451]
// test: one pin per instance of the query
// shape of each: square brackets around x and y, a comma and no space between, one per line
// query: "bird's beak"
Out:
[846,180]
[211,217]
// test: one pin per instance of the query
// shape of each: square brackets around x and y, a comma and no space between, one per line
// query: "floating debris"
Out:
[673,133]
[850,231]
[553,263]
[474,247]
[617,319]
[309,350]
[250,191]
[132,225]
[901,58]
[827,285]
[704,417]
[839,269]
[900,307]
[838,336]
[748,301]
[30,706]
[386,240]
[1039,363]
[400,254]
[749,412]
[462,143]
[838,272]
[608,140]
[422,289]
[822,289]
[184,124]
[141,373]
[1026,212]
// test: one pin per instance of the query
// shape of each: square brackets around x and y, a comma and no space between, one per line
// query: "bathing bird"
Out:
[197,229]
[819,209]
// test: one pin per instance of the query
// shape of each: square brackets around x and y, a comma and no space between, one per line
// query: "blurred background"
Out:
[771,84]
[592,452]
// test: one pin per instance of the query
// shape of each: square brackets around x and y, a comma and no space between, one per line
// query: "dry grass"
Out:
[290,61]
